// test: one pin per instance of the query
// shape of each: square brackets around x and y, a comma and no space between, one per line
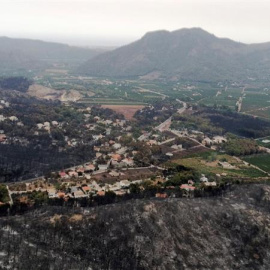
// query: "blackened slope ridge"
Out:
[228,232]
[187,53]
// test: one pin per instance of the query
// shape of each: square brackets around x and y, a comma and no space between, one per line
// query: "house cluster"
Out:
[212,142]
[13,119]
[216,140]
[94,189]
[4,104]
[188,188]
[71,190]
[10,118]
[47,125]
[117,158]
[3,137]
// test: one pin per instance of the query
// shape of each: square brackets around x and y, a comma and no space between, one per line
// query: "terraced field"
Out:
[208,163]
[262,161]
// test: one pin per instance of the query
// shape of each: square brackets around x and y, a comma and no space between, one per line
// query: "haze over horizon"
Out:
[100,23]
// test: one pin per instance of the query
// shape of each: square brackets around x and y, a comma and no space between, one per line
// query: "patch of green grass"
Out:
[254,101]
[203,164]
[262,161]
[260,142]
[203,155]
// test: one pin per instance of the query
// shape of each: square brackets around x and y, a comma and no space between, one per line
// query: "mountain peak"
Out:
[193,30]
[188,53]
[158,33]
[183,31]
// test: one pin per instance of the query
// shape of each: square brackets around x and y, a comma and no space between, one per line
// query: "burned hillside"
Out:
[229,232]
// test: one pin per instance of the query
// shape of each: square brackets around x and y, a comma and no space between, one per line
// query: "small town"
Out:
[134,135]
[122,164]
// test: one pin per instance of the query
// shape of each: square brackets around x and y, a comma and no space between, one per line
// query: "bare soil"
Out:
[127,110]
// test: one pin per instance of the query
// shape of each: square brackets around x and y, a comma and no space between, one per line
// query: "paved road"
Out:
[176,132]
[167,123]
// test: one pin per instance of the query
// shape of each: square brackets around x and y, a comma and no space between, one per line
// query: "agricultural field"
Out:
[222,97]
[212,163]
[255,100]
[127,110]
[262,112]
[261,160]
[265,142]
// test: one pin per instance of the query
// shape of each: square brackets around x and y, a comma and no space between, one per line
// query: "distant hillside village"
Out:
[54,152]
[130,165]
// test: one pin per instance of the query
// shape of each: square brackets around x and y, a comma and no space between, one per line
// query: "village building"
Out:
[187,187]
[52,193]
[128,161]
[3,138]
[98,154]
[219,139]
[161,195]
[97,137]
[203,179]
[89,168]
[101,193]
[116,157]
[73,174]
[210,184]
[13,118]
[152,142]
[125,183]
[114,173]
[120,192]
[63,175]
[122,150]
[116,146]
[40,126]
[103,167]
[79,194]
[2,118]
[177,147]
[86,189]
[207,141]
[61,195]
[96,148]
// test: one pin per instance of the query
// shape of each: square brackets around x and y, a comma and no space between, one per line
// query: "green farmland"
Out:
[261,160]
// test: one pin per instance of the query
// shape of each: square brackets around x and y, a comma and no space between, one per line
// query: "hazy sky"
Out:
[116,22]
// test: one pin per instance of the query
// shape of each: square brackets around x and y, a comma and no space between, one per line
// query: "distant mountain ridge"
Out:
[183,54]
[25,54]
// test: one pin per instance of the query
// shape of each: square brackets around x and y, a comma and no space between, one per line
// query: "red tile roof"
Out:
[62,174]
[101,193]
[187,187]
[86,188]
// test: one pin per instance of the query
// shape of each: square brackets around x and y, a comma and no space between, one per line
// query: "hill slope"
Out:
[229,232]
[25,54]
[186,53]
